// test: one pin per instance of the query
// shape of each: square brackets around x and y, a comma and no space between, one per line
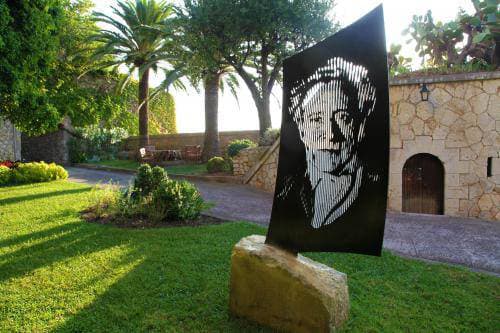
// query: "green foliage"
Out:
[77,150]
[5,175]
[162,118]
[269,137]
[35,172]
[104,199]
[43,49]
[135,40]
[152,196]
[217,164]
[398,64]
[147,180]
[176,201]
[95,143]
[443,44]
[235,146]
[255,36]
[29,45]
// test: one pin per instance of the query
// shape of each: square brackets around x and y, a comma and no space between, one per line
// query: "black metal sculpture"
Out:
[331,187]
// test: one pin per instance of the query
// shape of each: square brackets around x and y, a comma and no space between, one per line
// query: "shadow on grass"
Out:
[180,284]
[44,195]
[46,233]
[175,279]
[63,242]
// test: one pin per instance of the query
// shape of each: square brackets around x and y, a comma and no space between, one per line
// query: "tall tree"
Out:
[258,35]
[199,58]
[135,39]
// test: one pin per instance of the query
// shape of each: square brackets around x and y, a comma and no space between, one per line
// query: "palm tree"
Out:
[198,59]
[133,41]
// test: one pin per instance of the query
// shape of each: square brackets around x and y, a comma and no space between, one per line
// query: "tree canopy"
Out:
[255,36]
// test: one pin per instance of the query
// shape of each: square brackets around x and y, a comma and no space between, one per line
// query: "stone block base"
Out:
[286,292]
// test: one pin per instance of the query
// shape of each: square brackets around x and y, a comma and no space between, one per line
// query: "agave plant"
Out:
[134,36]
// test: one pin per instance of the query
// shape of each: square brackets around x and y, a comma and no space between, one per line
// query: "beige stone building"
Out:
[444,152]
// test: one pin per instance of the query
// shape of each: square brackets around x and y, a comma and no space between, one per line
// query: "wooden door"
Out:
[423,185]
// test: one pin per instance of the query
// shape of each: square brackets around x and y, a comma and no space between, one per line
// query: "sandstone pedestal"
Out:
[286,292]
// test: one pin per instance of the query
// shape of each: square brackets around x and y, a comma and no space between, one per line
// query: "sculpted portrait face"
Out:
[331,109]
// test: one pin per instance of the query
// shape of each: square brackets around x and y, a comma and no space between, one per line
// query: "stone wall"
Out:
[265,178]
[460,125]
[246,159]
[178,141]
[10,142]
[51,147]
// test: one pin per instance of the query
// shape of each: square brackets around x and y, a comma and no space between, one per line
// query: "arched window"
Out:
[423,185]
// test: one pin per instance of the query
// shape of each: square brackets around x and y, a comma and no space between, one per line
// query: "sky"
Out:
[241,114]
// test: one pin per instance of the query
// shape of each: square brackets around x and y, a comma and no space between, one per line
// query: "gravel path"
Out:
[469,242]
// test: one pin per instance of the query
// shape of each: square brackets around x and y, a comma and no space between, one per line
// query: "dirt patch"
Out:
[143,223]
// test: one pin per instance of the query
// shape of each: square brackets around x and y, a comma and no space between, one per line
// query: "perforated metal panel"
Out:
[331,188]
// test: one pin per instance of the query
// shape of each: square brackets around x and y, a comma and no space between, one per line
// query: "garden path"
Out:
[470,242]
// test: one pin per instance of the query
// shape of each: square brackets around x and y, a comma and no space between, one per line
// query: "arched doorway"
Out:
[423,185]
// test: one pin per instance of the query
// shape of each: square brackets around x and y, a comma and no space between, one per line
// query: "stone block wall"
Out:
[10,142]
[51,147]
[460,125]
[265,178]
[178,141]
[246,159]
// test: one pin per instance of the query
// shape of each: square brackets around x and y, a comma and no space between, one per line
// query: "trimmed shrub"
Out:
[217,164]
[147,180]
[34,172]
[235,146]
[176,201]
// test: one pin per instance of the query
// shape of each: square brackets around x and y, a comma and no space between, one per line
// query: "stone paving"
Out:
[463,241]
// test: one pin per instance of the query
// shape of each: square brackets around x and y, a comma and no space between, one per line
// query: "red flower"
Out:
[8,164]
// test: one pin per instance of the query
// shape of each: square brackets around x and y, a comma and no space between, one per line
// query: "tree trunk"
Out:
[264,114]
[211,142]
[143,110]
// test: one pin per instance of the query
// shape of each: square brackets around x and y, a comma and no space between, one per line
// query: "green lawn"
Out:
[185,169]
[58,273]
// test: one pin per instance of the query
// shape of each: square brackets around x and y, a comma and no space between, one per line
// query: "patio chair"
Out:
[146,155]
[191,153]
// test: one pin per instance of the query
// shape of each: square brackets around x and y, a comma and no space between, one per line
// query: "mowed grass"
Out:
[60,274]
[183,169]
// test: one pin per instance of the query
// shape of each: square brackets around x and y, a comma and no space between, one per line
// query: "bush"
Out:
[35,172]
[153,196]
[5,174]
[147,180]
[235,146]
[270,136]
[95,143]
[217,164]
[176,201]
[77,150]
[104,199]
